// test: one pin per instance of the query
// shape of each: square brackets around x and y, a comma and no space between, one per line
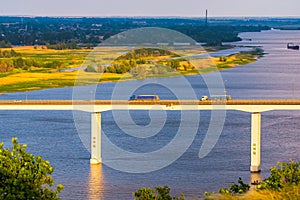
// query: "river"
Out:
[53,134]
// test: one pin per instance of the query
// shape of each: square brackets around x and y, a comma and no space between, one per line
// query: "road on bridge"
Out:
[153,102]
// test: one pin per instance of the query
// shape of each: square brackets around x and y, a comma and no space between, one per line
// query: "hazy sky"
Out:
[151,7]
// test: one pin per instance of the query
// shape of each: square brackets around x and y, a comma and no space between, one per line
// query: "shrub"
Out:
[238,188]
[24,176]
[287,174]
[159,193]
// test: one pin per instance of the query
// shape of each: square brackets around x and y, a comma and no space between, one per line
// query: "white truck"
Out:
[204,98]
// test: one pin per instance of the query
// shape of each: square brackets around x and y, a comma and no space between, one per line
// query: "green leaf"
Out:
[24,176]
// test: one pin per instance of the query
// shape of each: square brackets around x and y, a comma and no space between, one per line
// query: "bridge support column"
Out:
[255,142]
[96,157]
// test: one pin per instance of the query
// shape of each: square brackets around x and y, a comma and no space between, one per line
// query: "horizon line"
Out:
[146,16]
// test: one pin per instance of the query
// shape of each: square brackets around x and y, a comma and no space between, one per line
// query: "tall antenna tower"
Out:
[206,18]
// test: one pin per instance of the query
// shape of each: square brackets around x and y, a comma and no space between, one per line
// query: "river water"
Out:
[53,134]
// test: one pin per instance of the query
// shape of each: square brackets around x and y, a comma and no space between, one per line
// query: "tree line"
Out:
[92,31]
[62,46]
[8,54]
[26,64]
[130,61]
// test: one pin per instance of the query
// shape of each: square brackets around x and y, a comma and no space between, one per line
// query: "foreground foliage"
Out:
[283,183]
[24,176]
[159,193]
[239,188]
[288,174]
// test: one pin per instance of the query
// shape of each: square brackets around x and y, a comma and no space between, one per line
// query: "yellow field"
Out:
[42,78]
[290,193]
[28,77]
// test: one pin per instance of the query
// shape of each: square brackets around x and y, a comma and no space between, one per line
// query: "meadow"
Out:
[61,68]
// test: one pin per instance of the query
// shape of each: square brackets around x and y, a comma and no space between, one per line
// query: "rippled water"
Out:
[53,135]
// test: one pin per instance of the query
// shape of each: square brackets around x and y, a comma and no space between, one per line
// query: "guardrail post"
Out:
[255,142]
[96,157]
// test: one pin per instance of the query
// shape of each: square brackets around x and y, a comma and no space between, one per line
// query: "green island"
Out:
[28,68]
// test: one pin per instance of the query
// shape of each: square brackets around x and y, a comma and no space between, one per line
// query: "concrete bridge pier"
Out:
[255,142]
[96,157]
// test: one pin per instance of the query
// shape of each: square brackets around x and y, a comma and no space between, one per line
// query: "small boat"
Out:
[292,46]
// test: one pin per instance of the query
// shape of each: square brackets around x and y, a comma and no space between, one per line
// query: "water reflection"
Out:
[96,183]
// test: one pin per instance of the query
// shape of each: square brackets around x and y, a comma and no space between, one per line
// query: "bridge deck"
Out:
[151,102]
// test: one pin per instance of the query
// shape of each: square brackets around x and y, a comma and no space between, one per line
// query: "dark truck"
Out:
[292,46]
[144,98]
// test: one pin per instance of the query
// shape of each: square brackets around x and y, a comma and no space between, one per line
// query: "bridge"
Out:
[95,107]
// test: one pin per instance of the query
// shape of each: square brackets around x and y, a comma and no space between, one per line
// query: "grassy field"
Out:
[292,192]
[70,58]
[26,81]
[37,78]
[287,193]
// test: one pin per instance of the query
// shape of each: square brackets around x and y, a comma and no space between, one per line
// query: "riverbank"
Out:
[283,183]
[35,78]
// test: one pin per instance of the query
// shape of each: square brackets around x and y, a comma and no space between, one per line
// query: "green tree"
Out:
[19,63]
[287,174]
[100,68]
[90,69]
[132,63]
[6,67]
[5,44]
[239,188]
[56,64]
[25,176]
[144,194]
[159,193]
[110,69]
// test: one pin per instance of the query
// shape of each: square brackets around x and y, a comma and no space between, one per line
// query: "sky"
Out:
[181,8]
